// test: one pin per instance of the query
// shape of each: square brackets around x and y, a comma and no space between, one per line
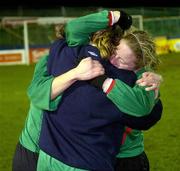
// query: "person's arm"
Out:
[135,101]
[79,30]
[45,91]
[39,90]
[128,97]
[145,122]
[87,69]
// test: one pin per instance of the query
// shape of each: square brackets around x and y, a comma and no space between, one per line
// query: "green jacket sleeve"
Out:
[39,90]
[134,101]
[78,30]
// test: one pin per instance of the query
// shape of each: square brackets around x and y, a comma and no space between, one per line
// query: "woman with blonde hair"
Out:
[136,52]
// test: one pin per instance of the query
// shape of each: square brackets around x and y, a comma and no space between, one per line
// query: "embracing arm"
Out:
[86,70]
[45,91]
[79,30]
[39,90]
[135,101]
[145,122]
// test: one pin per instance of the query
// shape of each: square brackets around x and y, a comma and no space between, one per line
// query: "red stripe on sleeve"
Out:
[110,18]
[111,86]
[126,132]
[123,138]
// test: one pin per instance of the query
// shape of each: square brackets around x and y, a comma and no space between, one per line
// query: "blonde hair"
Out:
[106,40]
[144,48]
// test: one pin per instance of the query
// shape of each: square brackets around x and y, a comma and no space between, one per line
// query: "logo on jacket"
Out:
[92,53]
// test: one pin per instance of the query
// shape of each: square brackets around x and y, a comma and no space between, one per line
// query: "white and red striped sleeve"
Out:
[108,85]
[111,18]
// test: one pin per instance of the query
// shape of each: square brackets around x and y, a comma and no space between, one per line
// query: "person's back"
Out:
[84,131]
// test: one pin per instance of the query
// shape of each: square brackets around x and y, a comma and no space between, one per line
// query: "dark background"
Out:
[103,3]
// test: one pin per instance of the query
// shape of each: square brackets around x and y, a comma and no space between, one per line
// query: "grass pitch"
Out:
[162,142]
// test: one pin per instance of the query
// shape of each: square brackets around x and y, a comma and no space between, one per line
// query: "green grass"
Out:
[13,109]
[162,142]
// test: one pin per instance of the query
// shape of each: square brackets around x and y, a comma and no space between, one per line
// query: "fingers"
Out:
[96,63]
[152,84]
[152,76]
[150,79]
[140,81]
[89,68]
[145,77]
[98,70]
[146,74]
[92,62]
[152,87]
[144,81]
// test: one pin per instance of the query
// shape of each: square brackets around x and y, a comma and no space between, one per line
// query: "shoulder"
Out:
[58,43]
[90,51]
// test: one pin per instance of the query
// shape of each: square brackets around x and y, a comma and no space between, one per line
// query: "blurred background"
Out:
[25,36]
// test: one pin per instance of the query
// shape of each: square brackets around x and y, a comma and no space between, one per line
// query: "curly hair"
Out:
[144,48]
